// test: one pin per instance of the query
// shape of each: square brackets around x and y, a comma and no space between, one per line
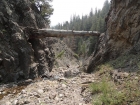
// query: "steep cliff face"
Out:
[21,57]
[123,25]
[122,34]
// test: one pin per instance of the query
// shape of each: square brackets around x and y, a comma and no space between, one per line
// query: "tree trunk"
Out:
[42,33]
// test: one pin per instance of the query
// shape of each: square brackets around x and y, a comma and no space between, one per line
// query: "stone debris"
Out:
[56,90]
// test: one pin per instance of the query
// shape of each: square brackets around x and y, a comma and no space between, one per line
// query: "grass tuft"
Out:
[107,94]
[106,91]
[60,54]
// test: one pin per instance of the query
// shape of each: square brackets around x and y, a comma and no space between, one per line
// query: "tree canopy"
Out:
[45,8]
[94,21]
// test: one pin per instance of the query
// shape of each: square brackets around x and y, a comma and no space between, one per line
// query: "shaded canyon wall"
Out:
[122,32]
[21,57]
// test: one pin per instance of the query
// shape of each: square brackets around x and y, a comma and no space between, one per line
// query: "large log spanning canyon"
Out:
[42,33]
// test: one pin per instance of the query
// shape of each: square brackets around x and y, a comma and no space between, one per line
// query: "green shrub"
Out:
[108,92]
[107,95]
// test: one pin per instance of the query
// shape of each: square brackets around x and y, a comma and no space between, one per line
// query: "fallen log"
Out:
[42,33]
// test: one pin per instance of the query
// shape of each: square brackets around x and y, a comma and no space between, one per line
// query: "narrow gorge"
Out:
[39,70]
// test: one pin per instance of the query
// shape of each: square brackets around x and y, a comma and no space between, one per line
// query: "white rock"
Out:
[8,103]
[23,91]
[136,78]
[56,98]
[61,95]
[15,102]
[34,93]
[24,95]
[40,91]
[3,92]
[64,86]
[126,74]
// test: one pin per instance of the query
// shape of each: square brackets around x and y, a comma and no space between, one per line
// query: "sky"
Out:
[64,9]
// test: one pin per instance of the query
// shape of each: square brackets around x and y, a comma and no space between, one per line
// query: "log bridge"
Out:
[42,33]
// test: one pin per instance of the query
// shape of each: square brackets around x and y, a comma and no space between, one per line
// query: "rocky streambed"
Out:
[65,86]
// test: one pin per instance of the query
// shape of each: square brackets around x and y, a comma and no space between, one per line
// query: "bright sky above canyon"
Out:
[64,9]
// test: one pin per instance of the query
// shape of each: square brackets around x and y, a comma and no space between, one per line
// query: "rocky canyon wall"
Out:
[21,57]
[122,32]
[123,25]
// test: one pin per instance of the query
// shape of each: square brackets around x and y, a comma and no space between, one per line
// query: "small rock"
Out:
[23,91]
[3,92]
[28,81]
[61,79]
[136,78]
[52,96]
[126,75]
[15,102]
[35,94]
[26,102]
[8,103]
[56,98]
[56,77]
[61,95]
[67,73]
[38,96]
[76,71]
[14,91]
[64,86]
[24,95]
[40,91]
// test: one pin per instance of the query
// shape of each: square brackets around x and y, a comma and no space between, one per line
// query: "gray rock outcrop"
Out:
[122,34]
[21,57]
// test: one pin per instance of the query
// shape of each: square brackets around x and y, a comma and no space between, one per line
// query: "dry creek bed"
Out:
[66,86]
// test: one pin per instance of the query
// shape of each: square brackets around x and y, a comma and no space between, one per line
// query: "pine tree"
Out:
[45,9]
[94,21]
